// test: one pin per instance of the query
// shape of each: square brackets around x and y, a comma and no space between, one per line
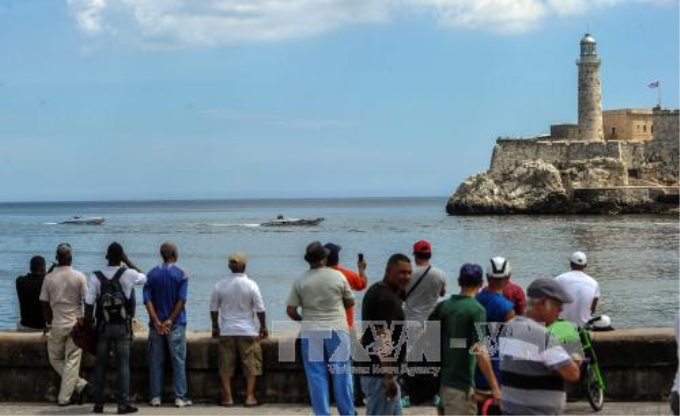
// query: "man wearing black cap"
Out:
[534,366]
[318,301]
[108,287]
[357,281]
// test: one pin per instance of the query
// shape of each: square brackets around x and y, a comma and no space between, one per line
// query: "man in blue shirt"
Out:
[165,294]
[499,310]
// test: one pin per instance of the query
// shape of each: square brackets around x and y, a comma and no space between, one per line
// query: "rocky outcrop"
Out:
[592,186]
[533,187]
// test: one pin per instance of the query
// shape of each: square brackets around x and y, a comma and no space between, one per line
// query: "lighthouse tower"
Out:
[589,91]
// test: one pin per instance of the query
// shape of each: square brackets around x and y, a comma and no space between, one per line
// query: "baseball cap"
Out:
[470,275]
[422,247]
[548,288]
[332,248]
[579,257]
[500,268]
[238,258]
[316,252]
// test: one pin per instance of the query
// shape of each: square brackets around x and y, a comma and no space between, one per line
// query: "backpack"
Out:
[112,305]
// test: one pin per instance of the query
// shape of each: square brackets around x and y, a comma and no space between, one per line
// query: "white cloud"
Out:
[88,14]
[504,16]
[186,23]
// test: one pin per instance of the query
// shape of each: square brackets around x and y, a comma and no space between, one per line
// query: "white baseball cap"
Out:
[500,268]
[579,258]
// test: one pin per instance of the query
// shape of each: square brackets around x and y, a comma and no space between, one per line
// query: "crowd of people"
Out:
[494,342]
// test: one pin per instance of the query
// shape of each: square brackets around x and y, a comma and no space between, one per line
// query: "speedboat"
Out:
[84,220]
[281,221]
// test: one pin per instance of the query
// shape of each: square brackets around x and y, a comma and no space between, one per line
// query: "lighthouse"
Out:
[589,91]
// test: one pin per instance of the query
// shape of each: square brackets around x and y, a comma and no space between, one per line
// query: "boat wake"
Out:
[236,225]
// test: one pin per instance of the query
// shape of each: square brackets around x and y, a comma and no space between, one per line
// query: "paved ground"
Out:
[577,408]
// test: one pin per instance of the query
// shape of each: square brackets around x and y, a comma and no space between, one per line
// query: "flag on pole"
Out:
[654,84]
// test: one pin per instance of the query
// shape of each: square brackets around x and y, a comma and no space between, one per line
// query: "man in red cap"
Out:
[426,286]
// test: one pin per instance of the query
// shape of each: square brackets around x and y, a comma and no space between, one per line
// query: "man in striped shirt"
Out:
[534,366]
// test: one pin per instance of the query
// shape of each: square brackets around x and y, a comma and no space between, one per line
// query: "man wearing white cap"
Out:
[582,288]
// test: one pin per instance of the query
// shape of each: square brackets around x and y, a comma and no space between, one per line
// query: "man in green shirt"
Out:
[462,318]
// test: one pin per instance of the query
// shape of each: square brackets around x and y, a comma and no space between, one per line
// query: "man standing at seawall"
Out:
[583,289]
[323,295]
[357,281]
[114,282]
[534,365]
[62,296]
[165,294]
[499,310]
[238,320]
[31,318]
[461,318]
[383,317]
[426,286]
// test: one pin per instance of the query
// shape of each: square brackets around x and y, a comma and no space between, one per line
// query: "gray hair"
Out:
[64,253]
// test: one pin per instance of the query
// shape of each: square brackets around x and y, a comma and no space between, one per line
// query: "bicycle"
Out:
[591,376]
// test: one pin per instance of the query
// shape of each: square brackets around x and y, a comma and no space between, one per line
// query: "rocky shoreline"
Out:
[595,186]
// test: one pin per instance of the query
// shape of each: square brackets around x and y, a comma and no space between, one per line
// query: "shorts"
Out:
[457,402]
[247,348]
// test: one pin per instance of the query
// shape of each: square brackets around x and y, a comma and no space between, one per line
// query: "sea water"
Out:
[635,258]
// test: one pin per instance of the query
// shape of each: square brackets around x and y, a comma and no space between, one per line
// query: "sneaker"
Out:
[405,402]
[82,396]
[127,409]
[437,402]
[155,402]
[98,408]
[183,403]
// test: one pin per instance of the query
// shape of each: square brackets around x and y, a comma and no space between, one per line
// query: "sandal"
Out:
[227,404]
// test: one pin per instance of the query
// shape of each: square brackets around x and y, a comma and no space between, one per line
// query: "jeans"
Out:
[376,401]
[116,337]
[324,351]
[65,357]
[177,347]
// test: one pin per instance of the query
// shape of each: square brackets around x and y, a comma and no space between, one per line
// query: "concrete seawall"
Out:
[638,364]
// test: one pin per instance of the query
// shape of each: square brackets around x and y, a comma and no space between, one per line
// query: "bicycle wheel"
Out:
[593,389]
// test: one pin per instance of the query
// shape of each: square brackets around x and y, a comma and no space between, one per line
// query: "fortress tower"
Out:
[589,91]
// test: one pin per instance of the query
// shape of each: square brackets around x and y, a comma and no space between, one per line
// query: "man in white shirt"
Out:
[582,288]
[113,333]
[238,319]
[62,295]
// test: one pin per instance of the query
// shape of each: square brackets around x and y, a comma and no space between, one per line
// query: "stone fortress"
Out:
[615,161]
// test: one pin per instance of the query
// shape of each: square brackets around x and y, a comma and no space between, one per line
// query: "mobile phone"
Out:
[361,256]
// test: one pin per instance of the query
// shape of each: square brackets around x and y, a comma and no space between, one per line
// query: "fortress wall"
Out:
[508,153]
[638,364]
[666,125]
[634,154]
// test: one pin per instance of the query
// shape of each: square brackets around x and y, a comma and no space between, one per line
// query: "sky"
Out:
[230,99]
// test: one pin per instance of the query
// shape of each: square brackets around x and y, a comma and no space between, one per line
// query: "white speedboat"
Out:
[84,220]
[281,221]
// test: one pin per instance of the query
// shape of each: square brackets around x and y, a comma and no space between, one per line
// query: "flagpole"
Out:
[658,94]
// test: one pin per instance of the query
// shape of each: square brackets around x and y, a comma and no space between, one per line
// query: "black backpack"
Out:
[112,306]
